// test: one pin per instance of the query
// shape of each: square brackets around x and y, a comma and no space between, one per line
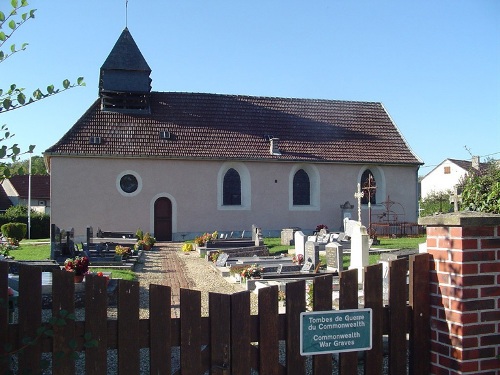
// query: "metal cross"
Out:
[358,195]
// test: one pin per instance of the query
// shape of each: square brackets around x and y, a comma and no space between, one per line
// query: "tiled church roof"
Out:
[213,126]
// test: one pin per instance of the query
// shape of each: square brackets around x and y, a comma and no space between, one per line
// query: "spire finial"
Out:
[126,13]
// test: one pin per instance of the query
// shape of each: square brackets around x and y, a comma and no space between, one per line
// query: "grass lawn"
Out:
[275,247]
[40,250]
[31,250]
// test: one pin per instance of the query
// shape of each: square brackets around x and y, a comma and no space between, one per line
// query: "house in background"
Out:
[16,190]
[179,164]
[447,175]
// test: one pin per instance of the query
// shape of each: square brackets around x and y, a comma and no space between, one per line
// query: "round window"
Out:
[129,183]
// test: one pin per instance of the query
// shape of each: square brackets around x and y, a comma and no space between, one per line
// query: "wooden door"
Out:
[163,219]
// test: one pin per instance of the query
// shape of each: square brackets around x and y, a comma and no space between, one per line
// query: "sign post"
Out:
[335,331]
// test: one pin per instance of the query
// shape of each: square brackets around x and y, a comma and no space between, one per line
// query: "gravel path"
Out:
[191,272]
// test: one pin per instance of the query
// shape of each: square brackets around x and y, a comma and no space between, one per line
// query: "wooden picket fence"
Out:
[230,340]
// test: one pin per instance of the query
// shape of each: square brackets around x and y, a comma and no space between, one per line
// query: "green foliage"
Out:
[14,97]
[481,190]
[16,231]
[436,202]
[21,167]
[40,223]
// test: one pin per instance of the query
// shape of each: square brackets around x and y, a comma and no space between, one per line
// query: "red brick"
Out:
[493,291]
[438,254]
[490,267]
[467,244]
[478,231]
[458,292]
[431,242]
[439,301]
[461,342]
[490,364]
[470,268]
[437,231]
[492,243]
[490,316]
[478,329]
[472,305]
[472,280]
[490,340]
[445,243]
[462,318]
[470,367]
[456,232]
[443,278]
[479,353]
[479,256]
[449,363]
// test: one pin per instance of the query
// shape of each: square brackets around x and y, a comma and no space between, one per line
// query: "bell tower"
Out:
[124,82]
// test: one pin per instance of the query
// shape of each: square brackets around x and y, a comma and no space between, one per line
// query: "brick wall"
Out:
[465,292]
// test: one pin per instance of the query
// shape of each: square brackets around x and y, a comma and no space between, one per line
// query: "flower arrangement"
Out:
[281,295]
[252,271]
[145,241]
[298,259]
[78,265]
[187,247]
[309,296]
[214,255]
[321,226]
[100,274]
[123,250]
[203,239]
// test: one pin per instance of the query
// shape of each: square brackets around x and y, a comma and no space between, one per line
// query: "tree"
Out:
[481,189]
[21,167]
[436,202]
[14,97]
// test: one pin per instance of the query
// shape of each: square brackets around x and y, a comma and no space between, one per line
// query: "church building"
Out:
[179,164]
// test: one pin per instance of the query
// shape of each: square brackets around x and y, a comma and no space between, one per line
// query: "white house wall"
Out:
[84,193]
[438,181]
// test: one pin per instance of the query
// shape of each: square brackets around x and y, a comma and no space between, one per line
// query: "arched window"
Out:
[301,188]
[231,195]
[368,187]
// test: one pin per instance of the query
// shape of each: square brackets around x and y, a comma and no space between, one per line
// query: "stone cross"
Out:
[358,195]
[455,199]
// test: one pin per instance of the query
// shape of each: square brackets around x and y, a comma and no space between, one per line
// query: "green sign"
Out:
[335,331]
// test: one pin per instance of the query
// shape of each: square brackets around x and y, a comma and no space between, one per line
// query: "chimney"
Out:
[475,162]
[274,146]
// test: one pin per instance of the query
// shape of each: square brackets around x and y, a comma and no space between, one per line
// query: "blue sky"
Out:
[435,65]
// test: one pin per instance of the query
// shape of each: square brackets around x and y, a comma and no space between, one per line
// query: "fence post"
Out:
[465,299]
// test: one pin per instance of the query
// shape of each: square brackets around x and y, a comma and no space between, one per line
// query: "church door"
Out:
[163,219]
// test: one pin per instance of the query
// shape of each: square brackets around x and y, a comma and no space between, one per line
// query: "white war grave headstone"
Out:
[300,242]
[359,241]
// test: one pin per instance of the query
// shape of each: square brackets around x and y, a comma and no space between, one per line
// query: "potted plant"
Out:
[122,252]
[252,272]
[298,259]
[78,265]
[148,240]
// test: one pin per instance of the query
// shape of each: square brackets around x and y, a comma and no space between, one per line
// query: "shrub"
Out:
[16,231]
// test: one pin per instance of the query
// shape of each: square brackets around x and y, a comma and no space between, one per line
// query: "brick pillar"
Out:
[465,292]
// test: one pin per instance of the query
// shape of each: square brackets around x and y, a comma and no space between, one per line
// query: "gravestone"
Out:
[359,249]
[312,253]
[287,236]
[334,257]
[221,260]
[346,211]
[307,267]
[349,226]
[300,243]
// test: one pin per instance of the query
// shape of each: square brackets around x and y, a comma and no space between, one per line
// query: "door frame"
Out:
[152,213]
